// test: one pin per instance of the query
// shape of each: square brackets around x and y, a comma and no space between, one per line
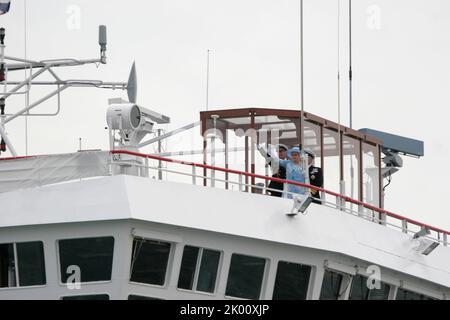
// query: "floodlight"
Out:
[422,233]
[301,203]
[426,246]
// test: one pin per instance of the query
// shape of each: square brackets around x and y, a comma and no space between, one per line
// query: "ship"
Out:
[121,224]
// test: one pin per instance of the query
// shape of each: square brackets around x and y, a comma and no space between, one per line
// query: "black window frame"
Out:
[168,266]
[58,254]
[197,269]
[85,297]
[263,276]
[308,284]
[17,264]
[367,290]
[420,295]
[342,276]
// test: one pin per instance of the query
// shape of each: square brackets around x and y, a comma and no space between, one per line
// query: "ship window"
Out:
[31,263]
[87,297]
[245,277]
[331,285]
[24,259]
[403,294]
[7,266]
[90,257]
[360,290]
[291,282]
[136,297]
[149,261]
[199,269]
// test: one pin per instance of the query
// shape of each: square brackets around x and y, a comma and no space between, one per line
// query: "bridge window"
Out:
[331,286]
[89,259]
[403,294]
[149,261]
[22,263]
[136,297]
[291,282]
[360,290]
[87,297]
[245,277]
[199,269]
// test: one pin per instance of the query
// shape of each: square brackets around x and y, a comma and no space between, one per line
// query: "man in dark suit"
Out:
[280,174]
[315,176]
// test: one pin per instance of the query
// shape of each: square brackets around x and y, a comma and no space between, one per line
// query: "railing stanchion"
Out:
[383,219]
[444,239]
[404,226]
[240,182]
[360,210]
[194,175]
[147,169]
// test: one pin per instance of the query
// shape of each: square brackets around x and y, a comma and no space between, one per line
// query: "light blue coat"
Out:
[294,172]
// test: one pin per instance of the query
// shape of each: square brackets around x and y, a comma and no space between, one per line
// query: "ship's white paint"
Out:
[230,221]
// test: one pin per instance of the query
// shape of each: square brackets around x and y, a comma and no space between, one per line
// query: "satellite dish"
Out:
[132,84]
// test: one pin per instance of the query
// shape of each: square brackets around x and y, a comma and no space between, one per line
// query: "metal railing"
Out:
[128,162]
[245,182]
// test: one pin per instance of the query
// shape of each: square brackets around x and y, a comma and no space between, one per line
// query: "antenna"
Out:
[207,79]
[132,84]
[350,72]
[60,84]
[341,173]
[102,41]
[301,75]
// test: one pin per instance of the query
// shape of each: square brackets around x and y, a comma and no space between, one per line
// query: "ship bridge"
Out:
[350,159]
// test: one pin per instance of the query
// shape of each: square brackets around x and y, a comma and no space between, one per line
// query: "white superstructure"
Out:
[120,224]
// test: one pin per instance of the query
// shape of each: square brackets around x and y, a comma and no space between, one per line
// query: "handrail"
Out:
[258,176]
[15,158]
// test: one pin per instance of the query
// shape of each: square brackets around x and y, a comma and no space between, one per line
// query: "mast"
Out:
[302,98]
[207,80]
[350,75]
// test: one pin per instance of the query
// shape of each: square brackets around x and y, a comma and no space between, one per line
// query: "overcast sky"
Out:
[401,71]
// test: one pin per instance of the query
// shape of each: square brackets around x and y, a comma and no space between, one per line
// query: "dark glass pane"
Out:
[136,297]
[150,261]
[291,282]
[330,286]
[7,267]
[208,271]
[187,270]
[30,257]
[380,294]
[93,256]
[359,290]
[245,277]
[88,297]
[403,294]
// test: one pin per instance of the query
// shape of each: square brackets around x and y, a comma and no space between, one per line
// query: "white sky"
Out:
[401,71]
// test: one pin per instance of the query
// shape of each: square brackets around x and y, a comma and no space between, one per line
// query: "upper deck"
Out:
[350,159]
[36,171]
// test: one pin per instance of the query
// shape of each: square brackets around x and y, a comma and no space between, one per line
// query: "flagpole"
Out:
[350,75]
[27,95]
[302,98]
[207,80]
